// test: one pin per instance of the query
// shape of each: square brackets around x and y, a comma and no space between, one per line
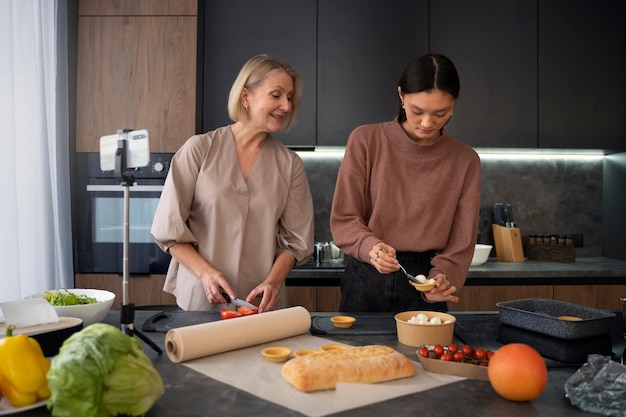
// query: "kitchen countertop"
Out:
[592,270]
[189,393]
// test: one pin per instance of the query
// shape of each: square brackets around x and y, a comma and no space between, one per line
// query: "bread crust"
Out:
[363,364]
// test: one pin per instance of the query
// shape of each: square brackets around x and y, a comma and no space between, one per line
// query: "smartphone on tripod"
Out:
[137,149]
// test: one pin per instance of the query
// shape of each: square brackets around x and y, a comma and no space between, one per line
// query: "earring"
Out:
[402,105]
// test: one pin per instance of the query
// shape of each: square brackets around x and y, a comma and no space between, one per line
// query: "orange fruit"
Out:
[517,372]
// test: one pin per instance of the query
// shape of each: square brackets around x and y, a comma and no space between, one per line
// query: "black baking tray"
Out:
[542,316]
[562,350]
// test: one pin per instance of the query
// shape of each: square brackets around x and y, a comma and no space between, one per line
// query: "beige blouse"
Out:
[238,226]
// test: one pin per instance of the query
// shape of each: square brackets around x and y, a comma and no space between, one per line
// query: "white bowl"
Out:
[481,254]
[88,313]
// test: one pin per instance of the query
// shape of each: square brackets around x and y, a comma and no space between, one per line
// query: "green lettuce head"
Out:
[102,372]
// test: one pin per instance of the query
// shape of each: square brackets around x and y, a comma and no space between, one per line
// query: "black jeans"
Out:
[364,289]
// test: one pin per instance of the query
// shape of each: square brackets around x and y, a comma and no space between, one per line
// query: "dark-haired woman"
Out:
[408,192]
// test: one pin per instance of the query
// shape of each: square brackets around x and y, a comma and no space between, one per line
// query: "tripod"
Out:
[127,316]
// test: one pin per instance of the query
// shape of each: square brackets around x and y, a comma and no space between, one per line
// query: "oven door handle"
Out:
[120,188]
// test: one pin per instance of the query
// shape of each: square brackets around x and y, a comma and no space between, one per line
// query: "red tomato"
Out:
[438,350]
[446,357]
[467,350]
[246,311]
[452,348]
[479,354]
[229,314]
[458,356]
[490,354]
[424,352]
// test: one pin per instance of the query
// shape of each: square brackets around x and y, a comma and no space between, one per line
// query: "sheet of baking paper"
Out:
[199,340]
[263,379]
[28,312]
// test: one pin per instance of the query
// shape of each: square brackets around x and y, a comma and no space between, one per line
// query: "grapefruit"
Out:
[517,372]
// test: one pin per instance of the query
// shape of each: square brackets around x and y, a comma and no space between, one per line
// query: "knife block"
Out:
[508,242]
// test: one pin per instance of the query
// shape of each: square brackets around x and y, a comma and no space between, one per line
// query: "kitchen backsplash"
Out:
[549,195]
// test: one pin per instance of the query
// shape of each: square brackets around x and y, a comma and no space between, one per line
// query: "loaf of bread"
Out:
[363,364]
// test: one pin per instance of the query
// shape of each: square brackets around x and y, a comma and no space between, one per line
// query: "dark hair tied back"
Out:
[429,72]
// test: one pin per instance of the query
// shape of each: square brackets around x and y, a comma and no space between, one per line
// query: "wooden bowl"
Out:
[343,322]
[276,354]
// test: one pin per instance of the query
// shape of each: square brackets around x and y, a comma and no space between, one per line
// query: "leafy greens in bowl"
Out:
[89,305]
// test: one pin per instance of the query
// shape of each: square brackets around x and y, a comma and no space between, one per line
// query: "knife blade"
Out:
[237,301]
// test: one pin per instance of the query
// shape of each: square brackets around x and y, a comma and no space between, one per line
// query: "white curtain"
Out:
[36,239]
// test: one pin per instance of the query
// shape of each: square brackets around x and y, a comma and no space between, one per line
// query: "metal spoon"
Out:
[409,276]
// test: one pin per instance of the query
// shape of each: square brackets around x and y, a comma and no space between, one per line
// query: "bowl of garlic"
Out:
[417,328]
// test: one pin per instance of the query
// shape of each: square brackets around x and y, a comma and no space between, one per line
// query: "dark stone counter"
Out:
[189,393]
[592,271]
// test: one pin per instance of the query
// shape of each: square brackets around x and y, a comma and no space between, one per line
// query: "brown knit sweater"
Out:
[413,197]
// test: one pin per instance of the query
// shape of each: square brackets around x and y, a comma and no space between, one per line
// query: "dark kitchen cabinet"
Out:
[236,30]
[582,74]
[363,47]
[494,46]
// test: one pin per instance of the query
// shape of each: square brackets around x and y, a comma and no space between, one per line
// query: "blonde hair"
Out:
[254,72]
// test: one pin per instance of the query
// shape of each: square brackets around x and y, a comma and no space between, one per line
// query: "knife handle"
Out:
[498,214]
[510,217]
[226,296]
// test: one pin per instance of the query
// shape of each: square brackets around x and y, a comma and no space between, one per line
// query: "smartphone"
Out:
[137,149]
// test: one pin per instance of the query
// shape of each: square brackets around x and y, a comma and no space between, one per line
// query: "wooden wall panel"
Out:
[143,290]
[137,7]
[302,296]
[485,298]
[136,72]
[328,298]
[594,296]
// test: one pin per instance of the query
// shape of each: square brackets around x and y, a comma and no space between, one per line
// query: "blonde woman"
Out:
[236,211]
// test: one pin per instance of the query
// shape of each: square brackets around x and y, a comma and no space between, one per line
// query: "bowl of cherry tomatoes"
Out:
[454,359]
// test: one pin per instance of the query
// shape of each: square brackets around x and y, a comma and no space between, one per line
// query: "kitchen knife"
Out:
[237,301]
[498,214]
[510,217]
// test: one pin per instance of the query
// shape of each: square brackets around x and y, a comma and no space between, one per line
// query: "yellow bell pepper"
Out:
[23,369]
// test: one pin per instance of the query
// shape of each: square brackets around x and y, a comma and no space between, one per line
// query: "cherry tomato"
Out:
[458,356]
[452,348]
[229,314]
[483,363]
[446,357]
[246,311]
[424,352]
[479,354]
[467,350]
[438,350]
[490,354]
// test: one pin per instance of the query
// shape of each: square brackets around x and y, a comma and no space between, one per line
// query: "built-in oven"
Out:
[99,217]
